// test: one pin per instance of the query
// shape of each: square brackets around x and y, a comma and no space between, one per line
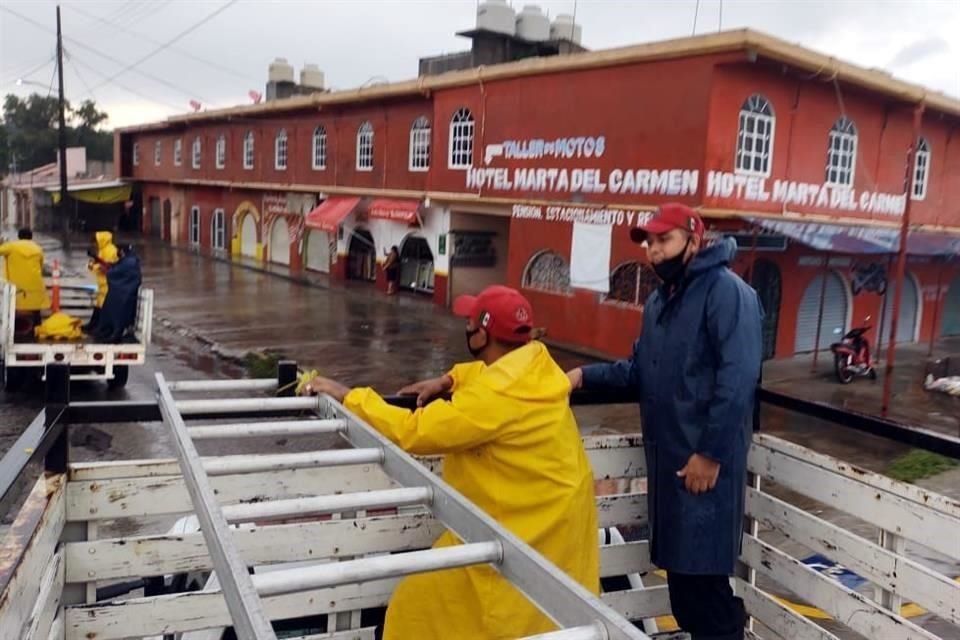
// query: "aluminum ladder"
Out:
[578,613]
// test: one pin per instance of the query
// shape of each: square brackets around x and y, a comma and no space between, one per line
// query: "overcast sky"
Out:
[221,48]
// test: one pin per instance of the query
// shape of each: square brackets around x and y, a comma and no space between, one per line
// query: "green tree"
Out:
[29,131]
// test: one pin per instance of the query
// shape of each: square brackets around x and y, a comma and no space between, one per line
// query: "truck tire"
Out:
[120,376]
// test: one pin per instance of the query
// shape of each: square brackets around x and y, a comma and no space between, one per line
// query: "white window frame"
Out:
[280,149]
[419,148]
[196,153]
[841,153]
[319,160]
[248,150]
[218,230]
[220,153]
[178,152]
[136,154]
[756,113]
[195,226]
[365,147]
[460,144]
[157,152]
[921,174]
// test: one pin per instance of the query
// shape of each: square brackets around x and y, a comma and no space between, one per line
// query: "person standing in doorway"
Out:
[392,268]
[695,369]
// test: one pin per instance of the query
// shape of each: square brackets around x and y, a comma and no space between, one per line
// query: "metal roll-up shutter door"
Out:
[248,237]
[834,314]
[951,310]
[318,251]
[280,242]
[907,318]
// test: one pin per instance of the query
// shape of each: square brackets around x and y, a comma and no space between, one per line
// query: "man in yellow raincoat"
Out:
[105,255]
[24,269]
[512,447]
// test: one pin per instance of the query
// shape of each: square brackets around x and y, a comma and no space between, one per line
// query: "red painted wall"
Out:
[805,110]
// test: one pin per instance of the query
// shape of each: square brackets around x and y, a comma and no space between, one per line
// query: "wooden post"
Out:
[901,258]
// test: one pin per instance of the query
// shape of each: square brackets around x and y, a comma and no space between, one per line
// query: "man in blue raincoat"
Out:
[119,312]
[695,369]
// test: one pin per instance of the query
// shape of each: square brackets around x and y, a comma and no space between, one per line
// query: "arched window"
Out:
[461,140]
[319,148]
[547,271]
[755,136]
[842,153]
[365,147]
[221,151]
[420,144]
[197,150]
[921,175]
[248,150]
[632,283]
[157,153]
[280,151]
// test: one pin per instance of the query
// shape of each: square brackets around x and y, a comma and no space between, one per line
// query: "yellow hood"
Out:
[103,238]
[528,373]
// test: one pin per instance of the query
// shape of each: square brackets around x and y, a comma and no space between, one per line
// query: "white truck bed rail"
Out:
[90,360]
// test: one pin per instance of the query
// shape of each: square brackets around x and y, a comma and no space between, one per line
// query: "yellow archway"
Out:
[246,210]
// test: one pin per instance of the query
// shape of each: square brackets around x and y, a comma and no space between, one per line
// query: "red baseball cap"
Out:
[669,216]
[502,311]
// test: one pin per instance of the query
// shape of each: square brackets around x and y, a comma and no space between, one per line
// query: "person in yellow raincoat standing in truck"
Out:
[24,269]
[511,447]
[106,253]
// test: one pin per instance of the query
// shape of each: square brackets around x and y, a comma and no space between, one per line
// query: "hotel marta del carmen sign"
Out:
[536,176]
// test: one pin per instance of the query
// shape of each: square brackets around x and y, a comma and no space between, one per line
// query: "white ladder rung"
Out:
[246,405]
[320,505]
[376,568]
[259,429]
[228,465]
[256,384]
[588,632]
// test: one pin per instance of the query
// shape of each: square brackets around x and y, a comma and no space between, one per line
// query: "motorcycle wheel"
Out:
[873,374]
[844,375]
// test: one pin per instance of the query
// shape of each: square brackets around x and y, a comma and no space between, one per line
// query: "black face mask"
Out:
[474,352]
[672,270]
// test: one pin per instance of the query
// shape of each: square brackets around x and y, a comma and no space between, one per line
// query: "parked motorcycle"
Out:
[851,356]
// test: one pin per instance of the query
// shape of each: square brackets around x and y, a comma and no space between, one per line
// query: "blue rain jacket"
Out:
[119,311]
[695,368]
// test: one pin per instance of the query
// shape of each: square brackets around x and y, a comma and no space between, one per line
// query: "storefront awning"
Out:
[328,215]
[835,238]
[394,209]
[96,192]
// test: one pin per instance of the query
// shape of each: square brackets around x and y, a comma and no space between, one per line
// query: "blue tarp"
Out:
[835,238]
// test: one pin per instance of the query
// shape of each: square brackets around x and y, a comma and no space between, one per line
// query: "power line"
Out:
[178,109]
[182,52]
[696,12]
[53,77]
[169,42]
[99,53]
[76,69]
[27,74]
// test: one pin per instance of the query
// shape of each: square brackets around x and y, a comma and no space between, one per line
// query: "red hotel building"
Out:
[531,173]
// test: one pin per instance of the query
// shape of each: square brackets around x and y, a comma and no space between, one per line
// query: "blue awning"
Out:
[860,240]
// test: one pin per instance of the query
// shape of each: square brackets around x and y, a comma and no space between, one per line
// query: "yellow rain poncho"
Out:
[24,270]
[106,251]
[511,447]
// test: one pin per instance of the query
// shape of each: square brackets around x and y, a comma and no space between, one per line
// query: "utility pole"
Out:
[62,143]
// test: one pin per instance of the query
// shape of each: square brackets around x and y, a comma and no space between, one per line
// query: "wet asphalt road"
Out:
[352,334]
